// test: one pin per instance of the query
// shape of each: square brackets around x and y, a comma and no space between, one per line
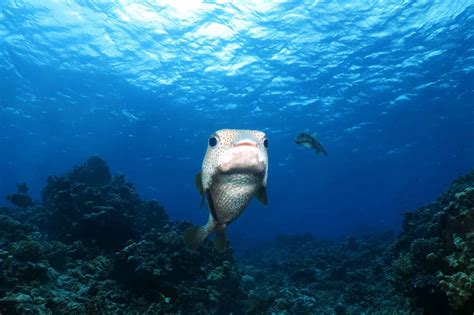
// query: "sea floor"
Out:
[93,246]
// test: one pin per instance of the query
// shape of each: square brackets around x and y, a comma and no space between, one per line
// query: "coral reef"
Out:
[433,258]
[187,281]
[93,246]
[89,205]
[301,275]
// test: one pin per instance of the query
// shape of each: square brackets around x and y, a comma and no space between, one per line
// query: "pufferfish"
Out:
[234,169]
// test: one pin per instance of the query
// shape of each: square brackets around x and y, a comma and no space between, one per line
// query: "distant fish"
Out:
[234,170]
[22,188]
[310,142]
[21,200]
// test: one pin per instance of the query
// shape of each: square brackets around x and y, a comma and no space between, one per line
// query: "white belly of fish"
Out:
[232,193]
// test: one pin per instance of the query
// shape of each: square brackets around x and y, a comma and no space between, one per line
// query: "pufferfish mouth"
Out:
[243,157]
[244,143]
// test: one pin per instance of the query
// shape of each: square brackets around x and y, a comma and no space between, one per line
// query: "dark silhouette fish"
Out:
[310,142]
[22,188]
[21,200]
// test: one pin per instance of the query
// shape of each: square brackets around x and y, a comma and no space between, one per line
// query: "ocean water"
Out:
[388,87]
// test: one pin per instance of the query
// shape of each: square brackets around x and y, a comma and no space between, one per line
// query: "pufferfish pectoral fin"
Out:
[261,195]
[198,182]
[212,207]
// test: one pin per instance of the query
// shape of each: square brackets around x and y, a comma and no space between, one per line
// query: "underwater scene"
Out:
[237,157]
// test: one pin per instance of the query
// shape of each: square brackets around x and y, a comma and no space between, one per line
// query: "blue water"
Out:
[388,87]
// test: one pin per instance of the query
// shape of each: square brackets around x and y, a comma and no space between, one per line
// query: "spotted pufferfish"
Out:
[234,169]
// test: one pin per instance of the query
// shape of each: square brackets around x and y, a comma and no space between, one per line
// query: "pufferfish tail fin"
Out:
[220,241]
[194,236]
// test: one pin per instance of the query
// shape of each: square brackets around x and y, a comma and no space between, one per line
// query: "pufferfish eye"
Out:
[212,141]
[265,143]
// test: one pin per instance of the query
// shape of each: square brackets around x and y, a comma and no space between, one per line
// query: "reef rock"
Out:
[433,258]
[87,204]
[302,275]
[160,269]
[95,247]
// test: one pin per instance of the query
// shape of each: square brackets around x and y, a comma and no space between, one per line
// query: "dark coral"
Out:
[302,275]
[94,246]
[94,172]
[433,258]
[89,205]
[187,281]
[12,229]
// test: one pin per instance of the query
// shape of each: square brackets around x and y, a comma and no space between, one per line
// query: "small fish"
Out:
[21,200]
[234,169]
[311,142]
[22,188]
